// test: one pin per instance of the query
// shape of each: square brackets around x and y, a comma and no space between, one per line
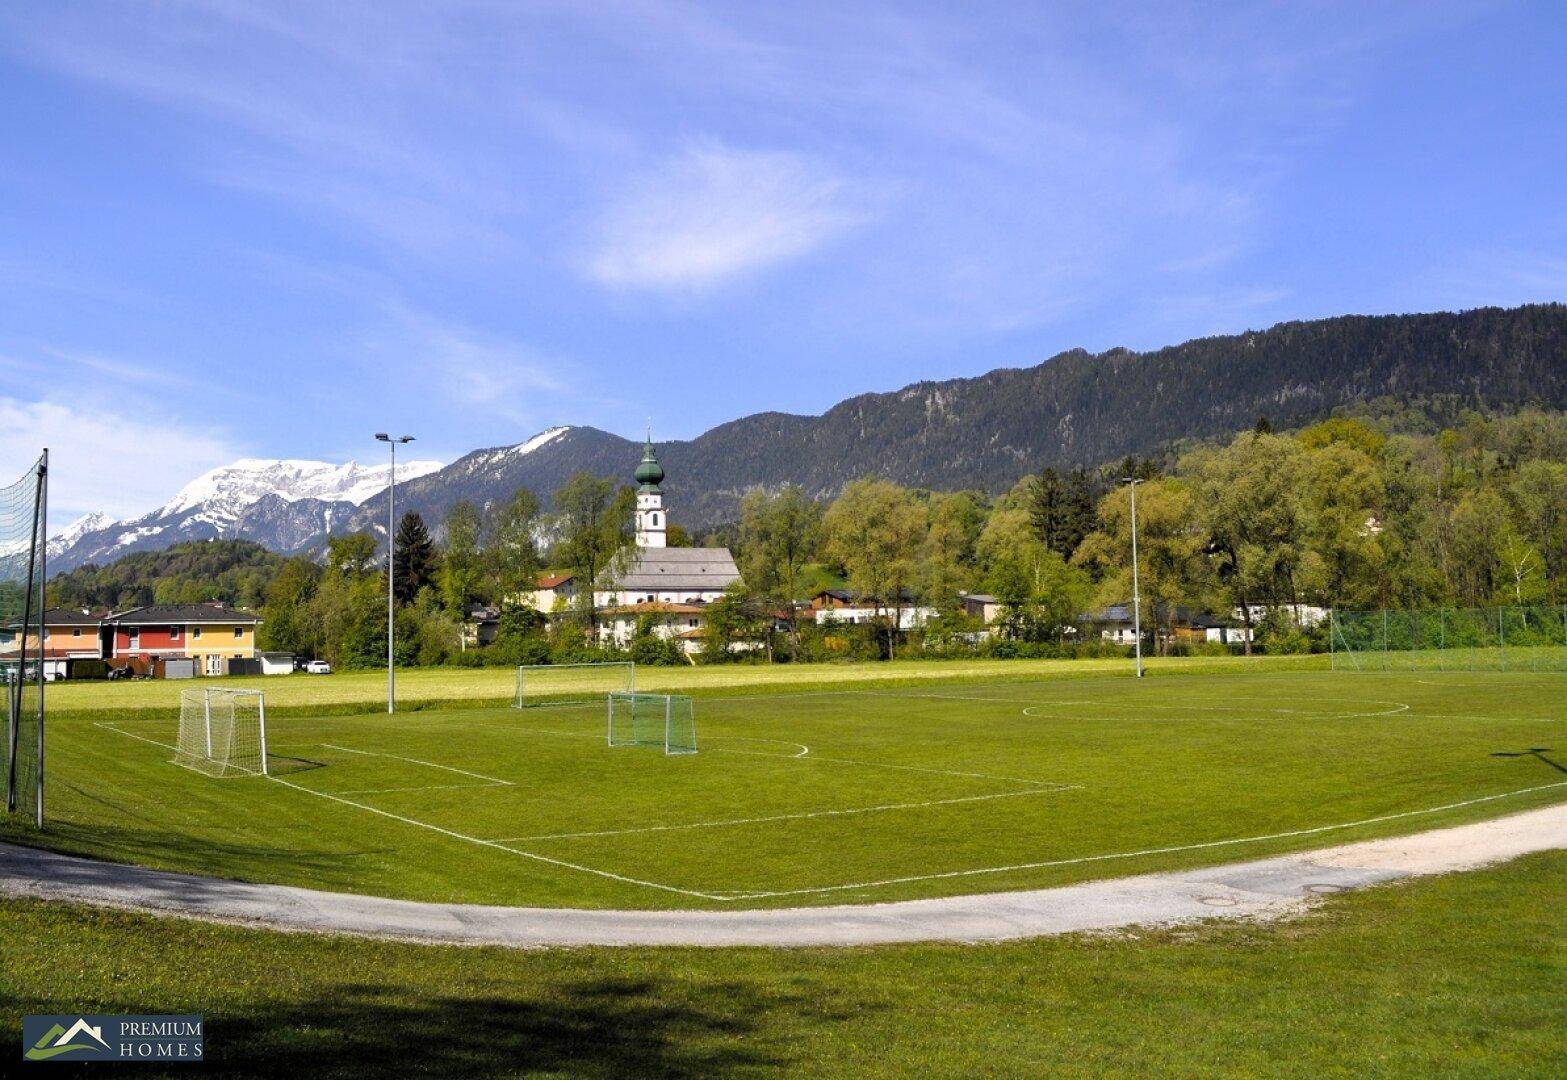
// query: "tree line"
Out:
[1354,512]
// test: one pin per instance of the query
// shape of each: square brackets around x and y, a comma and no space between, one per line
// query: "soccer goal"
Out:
[561,684]
[223,732]
[664,721]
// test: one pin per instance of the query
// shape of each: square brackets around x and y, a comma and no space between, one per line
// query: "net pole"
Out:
[1384,640]
[668,702]
[1501,639]
[206,719]
[40,545]
[609,726]
[1332,649]
[1441,638]
[21,656]
[261,715]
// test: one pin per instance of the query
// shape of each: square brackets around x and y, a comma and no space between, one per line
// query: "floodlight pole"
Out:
[391,567]
[1137,599]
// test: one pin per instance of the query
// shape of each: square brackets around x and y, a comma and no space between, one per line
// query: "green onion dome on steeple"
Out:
[649,473]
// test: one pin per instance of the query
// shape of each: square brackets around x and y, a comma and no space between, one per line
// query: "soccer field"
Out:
[833,796]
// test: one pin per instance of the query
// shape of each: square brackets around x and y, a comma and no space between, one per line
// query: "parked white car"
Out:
[318,667]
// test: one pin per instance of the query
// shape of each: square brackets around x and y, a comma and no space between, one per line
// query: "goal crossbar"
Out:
[655,721]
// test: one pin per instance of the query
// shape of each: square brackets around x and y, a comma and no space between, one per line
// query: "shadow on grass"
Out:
[601,1027]
[1536,752]
[157,847]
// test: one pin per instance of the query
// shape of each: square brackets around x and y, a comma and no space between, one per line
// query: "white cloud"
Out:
[100,460]
[713,213]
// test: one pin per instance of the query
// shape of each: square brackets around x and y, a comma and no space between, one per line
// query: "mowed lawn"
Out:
[1453,976]
[861,793]
[424,687]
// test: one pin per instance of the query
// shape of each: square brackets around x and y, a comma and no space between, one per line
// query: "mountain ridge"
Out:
[985,431]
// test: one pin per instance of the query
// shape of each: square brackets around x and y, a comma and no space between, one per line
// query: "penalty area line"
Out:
[785,817]
[416,761]
[562,863]
[1145,851]
[498,846]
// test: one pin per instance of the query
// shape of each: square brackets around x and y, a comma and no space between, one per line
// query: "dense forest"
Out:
[1384,508]
[235,571]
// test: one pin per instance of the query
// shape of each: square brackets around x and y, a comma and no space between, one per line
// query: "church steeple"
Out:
[651,519]
[649,473]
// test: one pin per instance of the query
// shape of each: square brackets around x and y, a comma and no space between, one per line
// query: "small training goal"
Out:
[563,684]
[658,721]
[223,732]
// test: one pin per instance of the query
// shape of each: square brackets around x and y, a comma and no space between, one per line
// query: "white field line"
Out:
[457,835]
[789,817]
[417,787]
[502,847]
[1276,714]
[132,735]
[833,760]
[416,761]
[1145,851]
[969,697]
[804,750]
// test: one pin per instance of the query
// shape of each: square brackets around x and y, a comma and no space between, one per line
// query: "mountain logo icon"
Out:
[81,1039]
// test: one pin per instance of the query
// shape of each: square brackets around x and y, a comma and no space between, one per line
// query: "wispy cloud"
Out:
[713,213]
[482,373]
[102,459]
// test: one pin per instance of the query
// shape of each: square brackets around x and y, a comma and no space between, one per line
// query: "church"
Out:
[674,583]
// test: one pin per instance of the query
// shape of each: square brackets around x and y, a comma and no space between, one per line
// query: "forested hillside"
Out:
[1077,408]
[235,571]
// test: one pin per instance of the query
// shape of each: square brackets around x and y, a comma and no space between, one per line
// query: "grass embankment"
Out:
[1454,976]
[365,691]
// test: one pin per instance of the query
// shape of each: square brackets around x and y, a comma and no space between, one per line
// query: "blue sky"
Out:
[271,229]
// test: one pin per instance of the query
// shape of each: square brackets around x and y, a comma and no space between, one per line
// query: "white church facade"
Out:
[672,584]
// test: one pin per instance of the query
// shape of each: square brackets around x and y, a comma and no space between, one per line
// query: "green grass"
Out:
[361,691]
[1454,976]
[864,793]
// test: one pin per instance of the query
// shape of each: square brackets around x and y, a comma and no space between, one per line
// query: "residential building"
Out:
[843,606]
[981,606]
[1180,624]
[684,623]
[69,634]
[553,589]
[208,634]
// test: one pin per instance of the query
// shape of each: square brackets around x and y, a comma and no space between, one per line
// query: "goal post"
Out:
[223,732]
[571,684]
[656,721]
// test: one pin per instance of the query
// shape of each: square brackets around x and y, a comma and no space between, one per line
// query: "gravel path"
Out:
[1260,888]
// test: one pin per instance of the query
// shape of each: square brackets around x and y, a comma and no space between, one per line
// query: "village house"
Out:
[210,635]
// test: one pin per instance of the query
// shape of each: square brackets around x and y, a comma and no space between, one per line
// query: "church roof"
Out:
[679,568]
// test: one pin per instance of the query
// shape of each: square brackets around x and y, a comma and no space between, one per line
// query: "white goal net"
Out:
[657,721]
[561,684]
[223,732]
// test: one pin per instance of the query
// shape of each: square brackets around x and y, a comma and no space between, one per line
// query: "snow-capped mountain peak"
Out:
[79,528]
[225,491]
[285,503]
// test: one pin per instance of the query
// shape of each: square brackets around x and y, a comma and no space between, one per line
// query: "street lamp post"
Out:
[1137,599]
[391,566]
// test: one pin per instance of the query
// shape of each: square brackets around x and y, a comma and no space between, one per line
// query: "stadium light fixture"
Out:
[391,565]
[1137,599]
